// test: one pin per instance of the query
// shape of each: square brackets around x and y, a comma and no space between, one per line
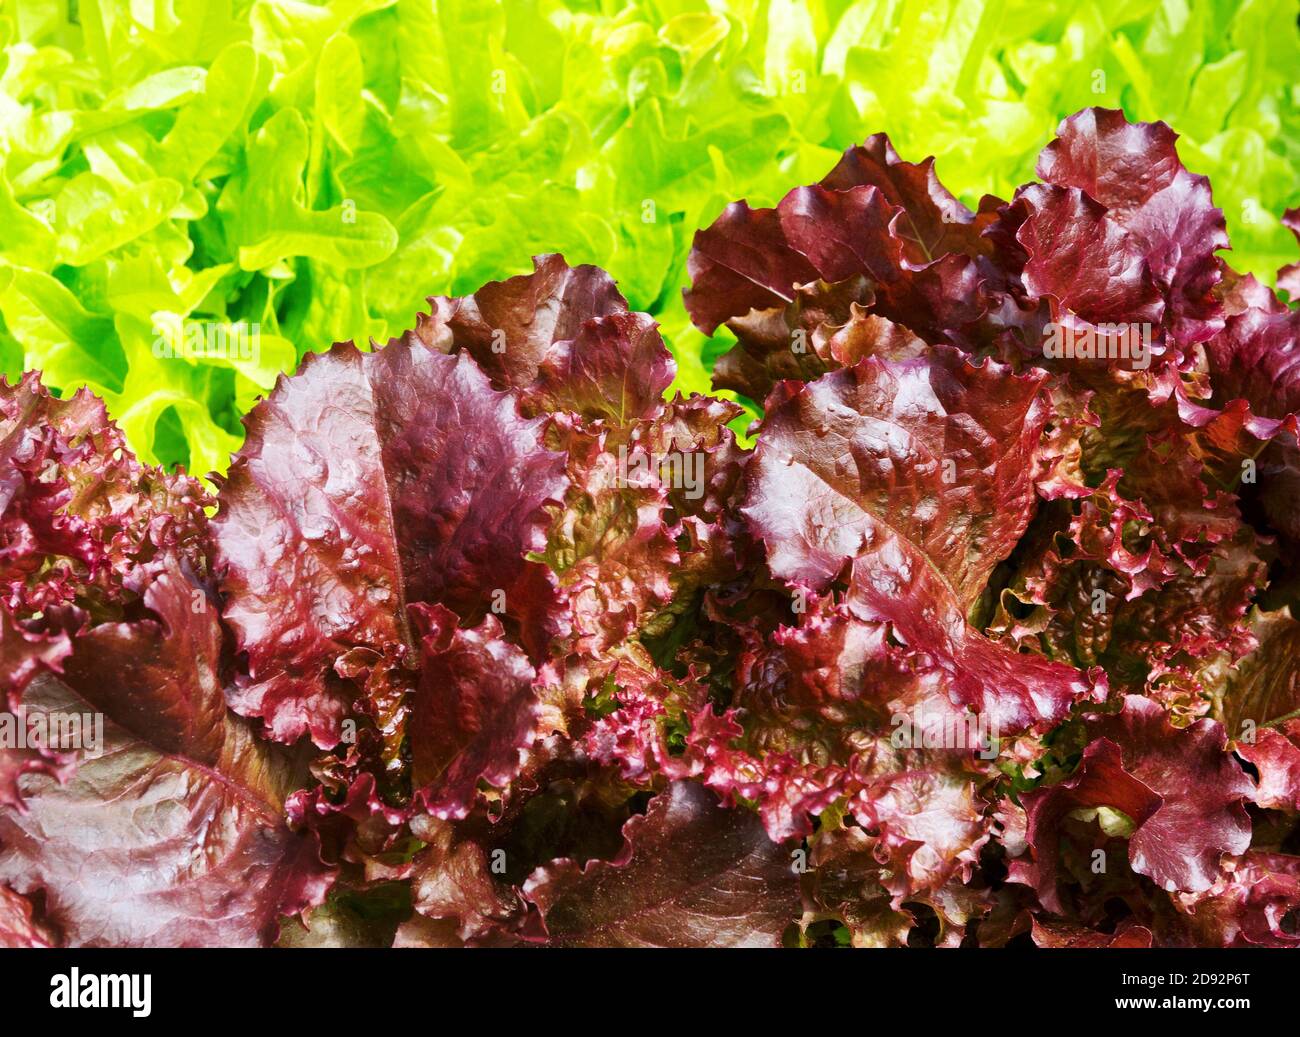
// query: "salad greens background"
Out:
[318,170]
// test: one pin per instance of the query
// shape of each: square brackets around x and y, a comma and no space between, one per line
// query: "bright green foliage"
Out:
[317,171]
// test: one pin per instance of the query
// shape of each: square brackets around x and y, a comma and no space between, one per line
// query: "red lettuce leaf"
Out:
[179,812]
[1201,817]
[18,925]
[743,262]
[877,234]
[1180,789]
[693,874]
[1249,907]
[932,223]
[562,337]
[1247,428]
[1133,170]
[1084,261]
[453,889]
[25,651]
[1260,701]
[473,713]
[78,513]
[511,326]
[369,481]
[610,547]
[615,370]
[1047,933]
[1101,780]
[923,462]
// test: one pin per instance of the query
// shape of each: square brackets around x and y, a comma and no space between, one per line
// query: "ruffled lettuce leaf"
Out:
[486,642]
[133,804]
[183,174]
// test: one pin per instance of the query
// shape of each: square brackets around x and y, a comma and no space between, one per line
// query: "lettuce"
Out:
[485,641]
[196,197]
[109,612]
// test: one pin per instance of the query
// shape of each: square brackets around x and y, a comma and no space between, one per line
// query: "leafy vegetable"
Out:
[694,874]
[195,197]
[167,826]
[483,641]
